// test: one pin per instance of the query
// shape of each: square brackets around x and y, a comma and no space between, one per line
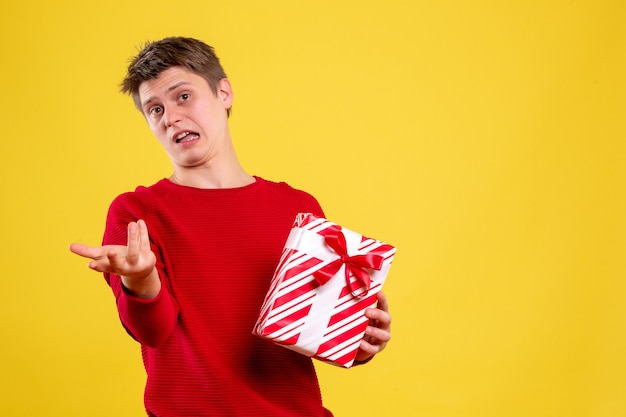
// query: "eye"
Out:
[184,97]
[155,110]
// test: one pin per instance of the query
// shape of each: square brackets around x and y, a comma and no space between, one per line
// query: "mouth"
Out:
[186,136]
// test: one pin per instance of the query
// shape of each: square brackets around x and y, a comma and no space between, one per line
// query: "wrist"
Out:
[147,287]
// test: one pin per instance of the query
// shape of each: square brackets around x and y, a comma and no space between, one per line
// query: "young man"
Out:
[190,291]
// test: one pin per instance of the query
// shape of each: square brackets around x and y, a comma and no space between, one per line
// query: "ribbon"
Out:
[355,264]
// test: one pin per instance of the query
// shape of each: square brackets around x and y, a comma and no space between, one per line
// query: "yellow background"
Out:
[485,139]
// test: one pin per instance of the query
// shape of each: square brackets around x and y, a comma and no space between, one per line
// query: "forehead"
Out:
[167,81]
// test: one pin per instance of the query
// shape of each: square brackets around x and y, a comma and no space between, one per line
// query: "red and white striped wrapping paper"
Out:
[326,278]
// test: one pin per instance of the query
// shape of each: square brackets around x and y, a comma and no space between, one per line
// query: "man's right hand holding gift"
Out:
[378,331]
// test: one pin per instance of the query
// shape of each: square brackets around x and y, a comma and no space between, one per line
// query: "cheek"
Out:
[160,135]
[156,128]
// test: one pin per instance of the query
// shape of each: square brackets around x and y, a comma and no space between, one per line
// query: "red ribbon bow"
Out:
[356,264]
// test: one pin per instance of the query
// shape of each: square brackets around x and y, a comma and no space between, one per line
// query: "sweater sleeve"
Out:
[149,321]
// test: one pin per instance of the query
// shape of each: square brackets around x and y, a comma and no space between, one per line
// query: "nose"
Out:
[171,116]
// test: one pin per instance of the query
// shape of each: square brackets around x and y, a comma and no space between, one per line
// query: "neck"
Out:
[210,177]
[219,169]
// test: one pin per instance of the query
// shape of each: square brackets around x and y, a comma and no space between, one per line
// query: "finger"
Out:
[133,242]
[371,348]
[115,262]
[104,263]
[382,301]
[380,313]
[93,252]
[377,335]
[144,238]
[368,347]
[100,266]
[79,249]
[379,317]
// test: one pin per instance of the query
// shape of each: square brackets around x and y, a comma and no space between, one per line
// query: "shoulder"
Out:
[140,201]
[130,207]
[281,191]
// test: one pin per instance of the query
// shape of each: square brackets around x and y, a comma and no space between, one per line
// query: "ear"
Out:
[225,92]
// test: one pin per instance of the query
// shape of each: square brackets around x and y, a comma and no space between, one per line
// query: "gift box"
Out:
[326,278]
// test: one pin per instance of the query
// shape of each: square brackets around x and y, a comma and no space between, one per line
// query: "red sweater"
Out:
[216,252]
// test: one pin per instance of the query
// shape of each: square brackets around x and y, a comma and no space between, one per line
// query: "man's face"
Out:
[186,116]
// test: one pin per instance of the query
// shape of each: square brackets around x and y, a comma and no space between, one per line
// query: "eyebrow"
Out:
[173,87]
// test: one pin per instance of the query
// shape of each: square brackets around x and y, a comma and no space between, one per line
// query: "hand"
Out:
[135,263]
[378,331]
